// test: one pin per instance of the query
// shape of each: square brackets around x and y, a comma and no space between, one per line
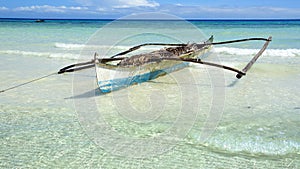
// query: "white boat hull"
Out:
[112,78]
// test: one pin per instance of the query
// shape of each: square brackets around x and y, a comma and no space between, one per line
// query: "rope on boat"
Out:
[61,71]
[22,84]
[70,68]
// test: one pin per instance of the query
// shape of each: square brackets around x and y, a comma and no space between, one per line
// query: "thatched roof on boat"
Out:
[156,56]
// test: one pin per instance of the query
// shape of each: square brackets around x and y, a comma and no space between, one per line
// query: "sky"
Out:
[188,9]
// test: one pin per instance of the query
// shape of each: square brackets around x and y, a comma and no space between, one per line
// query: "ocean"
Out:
[198,117]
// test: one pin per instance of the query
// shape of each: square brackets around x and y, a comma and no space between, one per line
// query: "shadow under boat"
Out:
[97,92]
[92,93]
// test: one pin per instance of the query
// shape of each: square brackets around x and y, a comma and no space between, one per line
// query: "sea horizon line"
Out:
[187,19]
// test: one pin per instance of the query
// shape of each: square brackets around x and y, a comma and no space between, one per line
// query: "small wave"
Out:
[64,56]
[268,52]
[73,46]
[41,54]
[221,50]
[258,146]
[254,145]
[24,53]
[69,46]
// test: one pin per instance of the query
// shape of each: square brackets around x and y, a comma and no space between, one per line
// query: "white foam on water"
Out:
[255,145]
[41,54]
[74,46]
[69,45]
[292,52]
[268,52]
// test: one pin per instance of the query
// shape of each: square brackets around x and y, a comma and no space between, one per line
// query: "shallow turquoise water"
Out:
[258,128]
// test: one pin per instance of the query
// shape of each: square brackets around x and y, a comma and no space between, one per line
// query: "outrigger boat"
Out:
[117,72]
[144,67]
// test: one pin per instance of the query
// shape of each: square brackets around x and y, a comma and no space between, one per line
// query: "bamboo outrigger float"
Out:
[117,72]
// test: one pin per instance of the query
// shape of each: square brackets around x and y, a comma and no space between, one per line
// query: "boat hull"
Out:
[111,79]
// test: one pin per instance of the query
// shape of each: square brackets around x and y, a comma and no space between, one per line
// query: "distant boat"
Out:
[40,20]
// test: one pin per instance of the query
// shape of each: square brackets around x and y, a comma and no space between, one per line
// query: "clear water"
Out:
[259,126]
